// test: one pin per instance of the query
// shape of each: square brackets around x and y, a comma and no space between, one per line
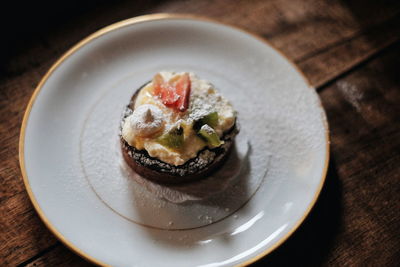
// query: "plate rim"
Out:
[129,22]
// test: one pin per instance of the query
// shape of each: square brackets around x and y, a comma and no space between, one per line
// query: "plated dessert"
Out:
[177,128]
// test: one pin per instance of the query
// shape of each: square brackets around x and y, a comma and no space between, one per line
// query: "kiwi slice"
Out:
[211,119]
[173,138]
[210,136]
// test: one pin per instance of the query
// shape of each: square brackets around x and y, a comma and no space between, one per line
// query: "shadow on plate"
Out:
[213,199]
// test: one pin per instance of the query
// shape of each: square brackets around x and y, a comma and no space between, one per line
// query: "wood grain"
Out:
[59,257]
[329,64]
[331,41]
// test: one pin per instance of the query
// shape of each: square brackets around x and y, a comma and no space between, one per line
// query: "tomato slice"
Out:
[183,91]
[174,94]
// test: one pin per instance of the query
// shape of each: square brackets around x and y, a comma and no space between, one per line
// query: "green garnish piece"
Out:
[211,119]
[210,136]
[173,138]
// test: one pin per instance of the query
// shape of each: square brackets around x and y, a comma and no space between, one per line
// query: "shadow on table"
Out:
[313,240]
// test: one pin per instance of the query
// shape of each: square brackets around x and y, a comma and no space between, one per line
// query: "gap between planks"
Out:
[40,254]
[356,66]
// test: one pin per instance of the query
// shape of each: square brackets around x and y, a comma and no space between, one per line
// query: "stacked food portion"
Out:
[177,128]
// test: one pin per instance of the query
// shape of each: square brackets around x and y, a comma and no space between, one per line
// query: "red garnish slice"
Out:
[174,94]
[183,91]
[158,82]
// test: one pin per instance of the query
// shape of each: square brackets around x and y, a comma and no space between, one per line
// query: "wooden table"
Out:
[349,50]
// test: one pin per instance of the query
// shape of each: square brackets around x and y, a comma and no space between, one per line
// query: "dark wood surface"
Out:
[349,50]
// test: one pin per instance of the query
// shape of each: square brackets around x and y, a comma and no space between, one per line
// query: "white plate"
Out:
[71,163]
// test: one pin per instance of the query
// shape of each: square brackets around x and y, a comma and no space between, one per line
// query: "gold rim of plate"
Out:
[112,27]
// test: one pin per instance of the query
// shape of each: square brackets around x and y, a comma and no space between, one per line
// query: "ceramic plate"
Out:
[72,167]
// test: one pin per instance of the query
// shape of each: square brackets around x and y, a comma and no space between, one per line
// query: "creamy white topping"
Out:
[204,99]
[144,121]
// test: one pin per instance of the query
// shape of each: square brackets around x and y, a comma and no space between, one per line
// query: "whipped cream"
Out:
[145,121]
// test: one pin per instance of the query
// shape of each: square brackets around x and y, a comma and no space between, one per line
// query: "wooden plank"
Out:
[355,221]
[60,257]
[297,28]
[22,233]
[327,65]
